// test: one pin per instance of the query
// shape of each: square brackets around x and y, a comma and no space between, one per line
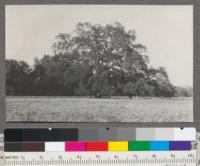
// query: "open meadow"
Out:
[119,109]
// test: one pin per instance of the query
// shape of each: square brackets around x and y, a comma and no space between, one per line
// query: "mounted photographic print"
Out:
[99,63]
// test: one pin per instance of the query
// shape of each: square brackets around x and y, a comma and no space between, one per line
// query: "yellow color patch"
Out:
[118,146]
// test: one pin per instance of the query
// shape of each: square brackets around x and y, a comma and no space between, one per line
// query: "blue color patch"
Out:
[159,145]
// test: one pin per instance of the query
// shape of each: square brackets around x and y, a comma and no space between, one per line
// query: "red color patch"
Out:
[96,146]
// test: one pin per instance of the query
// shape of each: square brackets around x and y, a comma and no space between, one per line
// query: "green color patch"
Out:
[139,146]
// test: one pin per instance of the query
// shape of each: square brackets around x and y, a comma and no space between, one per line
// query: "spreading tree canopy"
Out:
[94,60]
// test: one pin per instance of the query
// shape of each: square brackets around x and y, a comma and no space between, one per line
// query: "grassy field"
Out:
[65,109]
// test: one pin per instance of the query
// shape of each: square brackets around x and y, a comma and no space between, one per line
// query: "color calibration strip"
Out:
[75,146]
[99,134]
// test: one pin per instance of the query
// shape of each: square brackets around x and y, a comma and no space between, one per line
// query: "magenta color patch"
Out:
[75,146]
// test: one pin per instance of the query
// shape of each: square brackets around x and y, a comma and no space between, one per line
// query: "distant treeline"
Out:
[184,91]
[95,61]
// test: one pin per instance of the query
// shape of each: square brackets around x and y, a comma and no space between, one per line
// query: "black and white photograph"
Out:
[99,63]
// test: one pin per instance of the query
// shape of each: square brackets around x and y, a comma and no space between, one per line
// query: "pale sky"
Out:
[166,31]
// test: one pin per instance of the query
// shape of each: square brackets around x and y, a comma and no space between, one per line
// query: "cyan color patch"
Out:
[159,145]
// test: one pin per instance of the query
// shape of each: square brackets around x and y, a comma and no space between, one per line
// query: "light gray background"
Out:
[196,3]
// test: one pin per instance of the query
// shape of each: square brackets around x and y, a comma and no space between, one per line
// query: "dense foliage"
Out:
[95,61]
